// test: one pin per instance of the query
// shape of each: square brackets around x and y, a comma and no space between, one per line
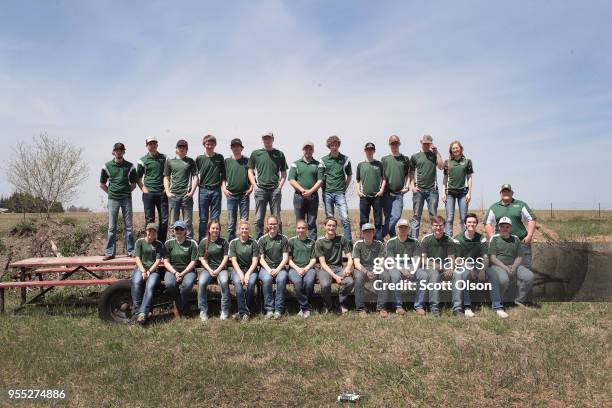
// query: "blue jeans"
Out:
[418,200]
[307,210]
[363,293]
[387,296]
[274,303]
[113,214]
[393,205]
[434,295]
[180,294]
[500,281]
[332,200]
[421,277]
[223,282]
[182,204]
[263,198]
[141,287]
[233,202]
[303,287]
[245,298]
[151,201]
[450,211]
[209,200]
[325,281]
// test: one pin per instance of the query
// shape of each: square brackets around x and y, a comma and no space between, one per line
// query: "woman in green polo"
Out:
[457,185]
[244,255]
[274,255]
[213,252]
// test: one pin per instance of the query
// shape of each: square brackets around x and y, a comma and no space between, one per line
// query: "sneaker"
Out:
[245,318]
[500,313]
[130,254]
[141,319]
[384,313]
[236,316]
[301,313]
[203,316]
[277,315]
[435,312]
[107,257]
[343,310]
[458,313]
[420,312]
[269,314]
[363,313]
[224,316]
[468,313]
[400,310]
[306,314]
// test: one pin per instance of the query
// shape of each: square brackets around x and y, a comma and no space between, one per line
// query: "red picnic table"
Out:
[66,267]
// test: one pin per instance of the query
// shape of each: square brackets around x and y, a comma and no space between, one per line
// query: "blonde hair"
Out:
[450,148]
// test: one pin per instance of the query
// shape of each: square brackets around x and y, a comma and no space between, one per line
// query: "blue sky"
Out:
[526,86]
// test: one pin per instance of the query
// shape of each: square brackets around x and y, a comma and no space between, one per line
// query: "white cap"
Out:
[151,139]
[504,220]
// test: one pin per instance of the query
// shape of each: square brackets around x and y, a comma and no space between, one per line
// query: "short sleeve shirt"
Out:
[368,253]
[332,250]
[213,252]
[273,249]
[505,249]
[149,252]
[120,177]
[181,255]
[244,252]
[302,251]
[267,164]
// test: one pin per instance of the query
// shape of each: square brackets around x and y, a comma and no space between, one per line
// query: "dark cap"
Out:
[236,141]
[369,145]
[118,146]
[182,142]
[505,187]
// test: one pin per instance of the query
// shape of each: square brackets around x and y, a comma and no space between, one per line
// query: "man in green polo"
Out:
[267,174]
[519,213]
[370,188]
[180,183]
[396,169]
[121,177]
[211,173]
[150,172]
[306,177]
[236,187]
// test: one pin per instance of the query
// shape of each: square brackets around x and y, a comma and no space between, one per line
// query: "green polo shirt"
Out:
[370,174]
[273,249]
[474,248]
[410,247]
[306,173]
[244,252]
[335,172]
[268,164]
[237,175]
[424,166]
[368,253]
[119,176]
[395,170]
[211,170]
[148,252]
[517,211]
[331,250]
[180,171]
[442,248]
[506,250]
[214,251]
[180,255]
[301,251]
[151,171]
[457,172]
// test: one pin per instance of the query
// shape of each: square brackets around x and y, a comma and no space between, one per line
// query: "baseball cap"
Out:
[427,139]
[179,224]
[394,139]
[118,146]
[369,145]
[267,134]
[308,143]
[367,226]
[505,187]
[151,139]
[182,142]
[504,220]
[152,225]
[403,222]
[236,141]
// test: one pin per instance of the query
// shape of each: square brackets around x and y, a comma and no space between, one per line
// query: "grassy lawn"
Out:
[555,356]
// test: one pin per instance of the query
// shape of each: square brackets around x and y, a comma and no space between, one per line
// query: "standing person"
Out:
[244,255]
[274,255]
[457,185]
[306,177]
[439,252]
[471,247]
[180,183]
[236,187]
[424,181]
[337,174]
[180,262]
[150,171]
[211,173]
[519,214]
[506,253]
[403,245]
[396,169]
[121,177]
[331,250]
[213,252]
[370,189]
[365,251]
[302,260]
[147,273]
[268,162]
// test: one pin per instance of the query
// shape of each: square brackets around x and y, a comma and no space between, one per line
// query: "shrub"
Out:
[69,221]
[25,227]
[75,242]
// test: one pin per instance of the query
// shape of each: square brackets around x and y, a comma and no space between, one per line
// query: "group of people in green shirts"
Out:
[169,184]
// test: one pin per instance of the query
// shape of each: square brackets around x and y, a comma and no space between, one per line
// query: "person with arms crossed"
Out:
[370,188]
[121,177]
[236,187]
[457,185]
[211,173]
[213,252]
[244,255]
[396,170]
[150,171]
[302,260]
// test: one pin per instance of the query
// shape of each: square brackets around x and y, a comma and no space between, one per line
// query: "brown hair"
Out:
[210,138]
[301,221]
[470,215]
[437,220]
[278,221]
[332,139]
[327,219]
[450,149]
[208,235]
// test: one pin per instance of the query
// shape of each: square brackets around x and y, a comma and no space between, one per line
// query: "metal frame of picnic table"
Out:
[82,263]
